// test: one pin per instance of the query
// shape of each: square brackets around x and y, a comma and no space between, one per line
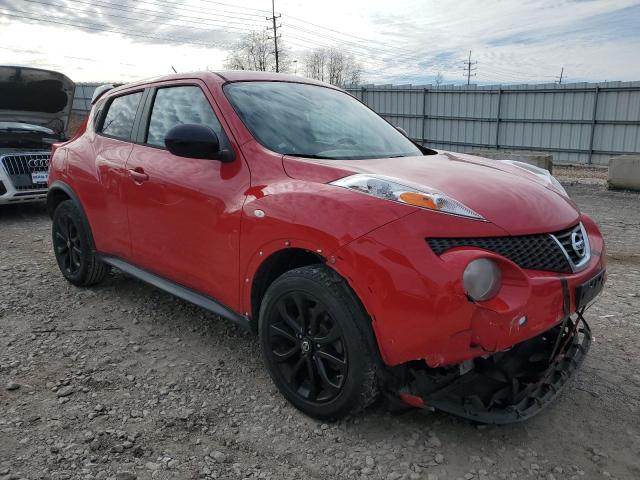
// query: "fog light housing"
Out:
[482,279]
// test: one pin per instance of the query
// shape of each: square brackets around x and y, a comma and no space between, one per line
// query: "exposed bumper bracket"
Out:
[513,385]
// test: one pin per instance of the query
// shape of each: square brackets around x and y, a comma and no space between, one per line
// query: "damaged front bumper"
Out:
[506,387]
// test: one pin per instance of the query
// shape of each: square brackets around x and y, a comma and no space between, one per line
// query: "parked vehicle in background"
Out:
[35,106]
[366,263]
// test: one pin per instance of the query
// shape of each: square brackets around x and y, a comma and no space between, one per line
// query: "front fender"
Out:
[311,216]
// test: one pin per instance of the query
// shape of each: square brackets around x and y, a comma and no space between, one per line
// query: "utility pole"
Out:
[275,32]
[469,67]
[560,77]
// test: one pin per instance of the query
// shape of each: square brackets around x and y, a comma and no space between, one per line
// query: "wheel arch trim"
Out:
[59,186]
[260,258]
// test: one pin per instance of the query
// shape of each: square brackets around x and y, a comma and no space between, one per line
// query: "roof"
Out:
[226,76]
[248,75]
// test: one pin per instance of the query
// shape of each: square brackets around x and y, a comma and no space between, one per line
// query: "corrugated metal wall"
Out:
[82,97]
[577,123]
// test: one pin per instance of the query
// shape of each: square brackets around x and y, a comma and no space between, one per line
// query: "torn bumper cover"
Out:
[509,386]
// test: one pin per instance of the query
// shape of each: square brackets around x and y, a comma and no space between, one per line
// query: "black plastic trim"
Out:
[60,185]
[178,290]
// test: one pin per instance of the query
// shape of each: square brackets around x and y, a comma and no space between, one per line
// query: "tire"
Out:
[323,361]
[72,246]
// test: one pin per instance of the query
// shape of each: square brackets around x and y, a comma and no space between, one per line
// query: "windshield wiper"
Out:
[308,155]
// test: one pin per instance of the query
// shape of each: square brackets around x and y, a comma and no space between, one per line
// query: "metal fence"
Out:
[581,123]
[82,97]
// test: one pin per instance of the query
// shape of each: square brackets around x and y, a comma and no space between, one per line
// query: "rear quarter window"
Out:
[121,113]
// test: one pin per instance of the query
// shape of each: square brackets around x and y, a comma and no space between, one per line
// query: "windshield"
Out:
[313,121]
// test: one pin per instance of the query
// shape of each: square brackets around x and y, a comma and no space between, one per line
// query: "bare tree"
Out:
[439,79]
[255,52]
[333,66]
[314,63]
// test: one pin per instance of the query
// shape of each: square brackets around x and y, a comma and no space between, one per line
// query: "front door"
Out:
[184,214]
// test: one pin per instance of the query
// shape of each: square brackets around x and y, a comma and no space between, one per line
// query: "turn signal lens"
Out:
[482,279]
[421,200]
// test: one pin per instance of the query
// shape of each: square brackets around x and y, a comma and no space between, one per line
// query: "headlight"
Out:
[390,189]
[482,279]
[542,173]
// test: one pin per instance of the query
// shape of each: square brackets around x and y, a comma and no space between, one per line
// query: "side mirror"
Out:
[196,141]
[402,131]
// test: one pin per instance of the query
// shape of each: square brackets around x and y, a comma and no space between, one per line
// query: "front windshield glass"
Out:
[312,121]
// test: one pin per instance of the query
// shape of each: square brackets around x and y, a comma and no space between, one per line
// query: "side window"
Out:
[121,113]
[179,105]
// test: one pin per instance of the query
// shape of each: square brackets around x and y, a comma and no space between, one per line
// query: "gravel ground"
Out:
[123,381]
[569,174]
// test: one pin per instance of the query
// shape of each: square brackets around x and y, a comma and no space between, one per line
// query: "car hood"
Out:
[513,198]
[34,96]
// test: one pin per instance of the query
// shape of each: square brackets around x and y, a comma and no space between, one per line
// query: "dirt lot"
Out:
[124,381]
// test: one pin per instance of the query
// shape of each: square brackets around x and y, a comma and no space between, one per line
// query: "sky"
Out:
[399,42]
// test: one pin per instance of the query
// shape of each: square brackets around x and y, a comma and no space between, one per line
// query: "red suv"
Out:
[366,263]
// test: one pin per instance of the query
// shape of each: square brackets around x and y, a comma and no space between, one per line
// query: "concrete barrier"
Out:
[624,172]
[539,159]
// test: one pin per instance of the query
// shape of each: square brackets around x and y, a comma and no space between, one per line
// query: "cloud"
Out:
[407,41]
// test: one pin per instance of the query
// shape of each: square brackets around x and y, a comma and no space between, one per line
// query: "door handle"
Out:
[138,175]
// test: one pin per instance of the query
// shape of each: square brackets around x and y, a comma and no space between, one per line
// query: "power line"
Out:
[236,6]
[354,48]
[470,67]
[103,28]
[314,44]
[84,59]
[193,19]
[362,39]
[371,51]
[200,11]
[245,23]
[150,13]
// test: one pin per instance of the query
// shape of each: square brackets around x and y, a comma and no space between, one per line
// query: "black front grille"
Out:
[21,166]
[535,252]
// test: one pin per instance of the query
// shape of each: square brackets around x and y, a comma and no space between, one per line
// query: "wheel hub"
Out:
[305,346]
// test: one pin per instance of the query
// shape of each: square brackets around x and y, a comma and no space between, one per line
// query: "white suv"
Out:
[34,112]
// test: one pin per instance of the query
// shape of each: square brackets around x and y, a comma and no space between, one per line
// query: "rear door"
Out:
[112,145]
[184,213]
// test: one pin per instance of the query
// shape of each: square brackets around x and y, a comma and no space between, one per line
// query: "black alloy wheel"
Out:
[308,347]
[317,343]
[66,241]
[77,260]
